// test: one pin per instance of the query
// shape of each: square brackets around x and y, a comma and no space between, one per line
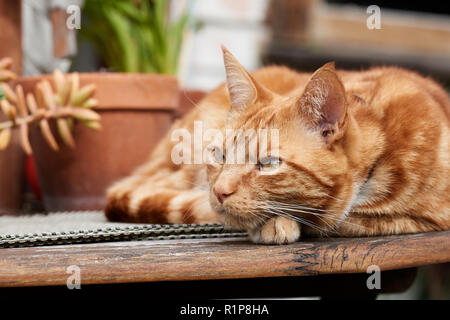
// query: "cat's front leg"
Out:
[277,230]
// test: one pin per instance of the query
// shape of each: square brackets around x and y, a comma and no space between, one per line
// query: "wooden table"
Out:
[228,267]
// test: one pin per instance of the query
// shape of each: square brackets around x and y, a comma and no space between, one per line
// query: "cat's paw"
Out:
[278,230]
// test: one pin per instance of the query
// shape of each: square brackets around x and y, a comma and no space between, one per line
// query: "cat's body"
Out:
[361,153]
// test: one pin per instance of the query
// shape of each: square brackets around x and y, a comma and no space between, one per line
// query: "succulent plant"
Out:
[63,102]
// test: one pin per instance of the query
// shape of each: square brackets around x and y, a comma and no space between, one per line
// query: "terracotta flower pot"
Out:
[136,111]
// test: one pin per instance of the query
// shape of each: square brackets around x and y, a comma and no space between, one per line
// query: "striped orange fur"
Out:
[360,153]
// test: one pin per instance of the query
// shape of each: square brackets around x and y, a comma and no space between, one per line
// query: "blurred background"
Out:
[183,38]
[300,33]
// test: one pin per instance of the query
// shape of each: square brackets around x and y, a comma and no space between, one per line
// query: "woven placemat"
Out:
[60,228]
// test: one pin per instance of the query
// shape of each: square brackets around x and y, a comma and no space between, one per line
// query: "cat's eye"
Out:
[269,164]
[219,156]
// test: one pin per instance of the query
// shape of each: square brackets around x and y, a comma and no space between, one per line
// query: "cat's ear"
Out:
[323,103]
[242,88]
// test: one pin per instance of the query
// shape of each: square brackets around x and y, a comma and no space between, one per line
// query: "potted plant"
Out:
[136,103]
[11,162]
[135,35]
[59,107]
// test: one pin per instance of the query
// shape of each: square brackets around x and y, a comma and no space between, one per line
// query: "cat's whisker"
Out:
[327,195]
[194,105]
[307,210]
[301,210]
[299,219]
[338,219]
[320,216]
[291,208]
[257,216]
[303,207]
[264,215]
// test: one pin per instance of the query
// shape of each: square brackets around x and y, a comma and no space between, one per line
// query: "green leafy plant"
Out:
[135,35]
[63,102]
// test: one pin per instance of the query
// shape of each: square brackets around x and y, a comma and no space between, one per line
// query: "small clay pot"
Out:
[136,111]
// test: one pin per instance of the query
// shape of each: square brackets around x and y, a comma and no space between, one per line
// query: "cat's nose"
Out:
[222,193]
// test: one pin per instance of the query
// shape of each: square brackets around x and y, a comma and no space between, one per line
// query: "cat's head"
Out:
[307,174]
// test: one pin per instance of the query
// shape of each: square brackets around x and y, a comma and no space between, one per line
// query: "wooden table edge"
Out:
[207,259]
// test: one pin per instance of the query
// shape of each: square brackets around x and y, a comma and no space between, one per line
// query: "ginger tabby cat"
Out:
[360,154]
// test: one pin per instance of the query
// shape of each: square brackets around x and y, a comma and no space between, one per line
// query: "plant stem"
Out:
[57,113]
